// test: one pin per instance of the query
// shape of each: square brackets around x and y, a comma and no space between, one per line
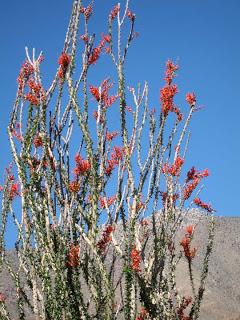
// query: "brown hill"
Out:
[222,295]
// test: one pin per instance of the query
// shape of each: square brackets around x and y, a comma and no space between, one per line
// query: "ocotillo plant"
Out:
[100,202]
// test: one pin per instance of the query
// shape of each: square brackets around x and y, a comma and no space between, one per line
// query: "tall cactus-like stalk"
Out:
[100,192]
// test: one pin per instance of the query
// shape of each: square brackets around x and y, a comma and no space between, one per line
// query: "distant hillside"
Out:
[222,296]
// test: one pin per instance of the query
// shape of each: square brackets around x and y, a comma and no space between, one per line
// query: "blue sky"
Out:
[202,35]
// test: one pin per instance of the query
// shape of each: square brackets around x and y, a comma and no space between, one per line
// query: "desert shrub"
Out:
[100,191]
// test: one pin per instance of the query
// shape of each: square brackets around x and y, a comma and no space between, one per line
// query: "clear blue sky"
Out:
[203,35]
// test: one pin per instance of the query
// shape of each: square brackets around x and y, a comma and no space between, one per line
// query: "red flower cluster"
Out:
[32,99]
[95,92]
[82,166]
[167,199]
[136,259]
[87,11]
[64,61]
[13,187]
[114,12]
[73,256]
[168,92]
[106,238]
[130,15]
[38,142]
[189,188]
[106,202]
[104,96]
[143,314]
[84,37]
[203,205]
[95,55]
[96,51]
[25,72]
[140,205]
[2,297]
[74,186]
[189,229]
[117,155]
[174,169]
[13,190]
[36,93]
[111,135]
[16,134]
[97,116]
[144,222]
[171,68]
[185,303]
[191,99]
[194,176]
[185,243]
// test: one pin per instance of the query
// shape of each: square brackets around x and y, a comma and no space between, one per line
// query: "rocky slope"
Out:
[222,296]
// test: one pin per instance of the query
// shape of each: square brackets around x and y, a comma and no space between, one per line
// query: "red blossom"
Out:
[73,256]
[104,96]
[84,37]
[143,314]
[135,259]
[36,91]
[106,202]
[32,99]
[74,186]
[178,113]
[181,310]
[17,135]
[186,243]
[140,205]
[2,297]
[189,188]
[95,92]
[189,229]
[82,166]
[88,11]
[64,61]
[130,15]
[95,54]
[106,38]
[188,252]
[174,169]
[110,167]
[144,222]
[117,154]
[106,238]
[97,116]
[38,142]
[114,12]
[171,68]
[25,72]
[194,174]
[111,135]
[168,199]
[203,174]
[129,109]
[167,94]
[13,190]
[191,99]
[203,205]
